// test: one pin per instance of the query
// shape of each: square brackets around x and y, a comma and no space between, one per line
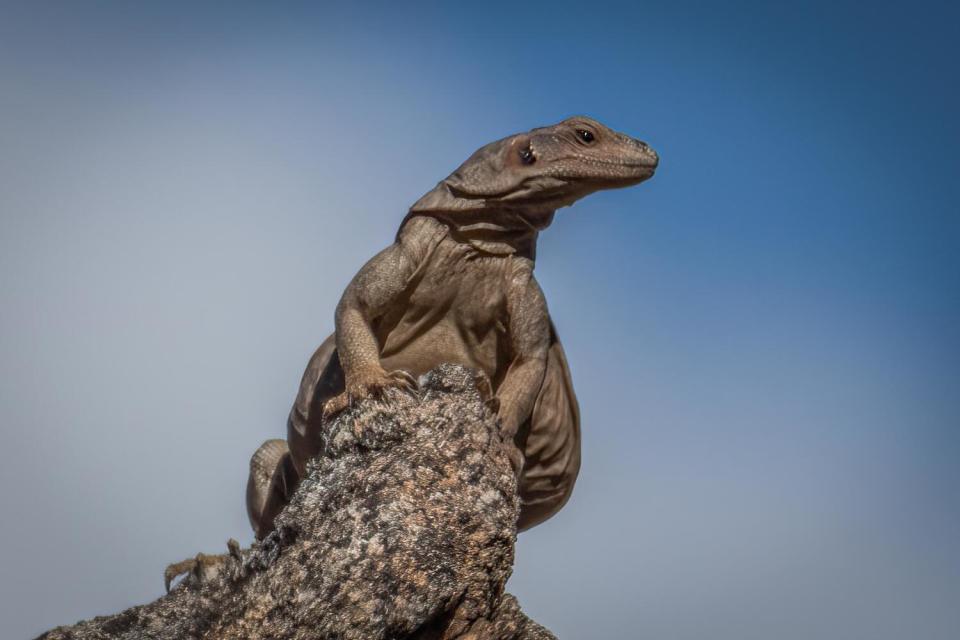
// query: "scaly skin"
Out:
[458,286]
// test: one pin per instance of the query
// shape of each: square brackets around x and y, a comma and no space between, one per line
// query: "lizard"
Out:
[457,285]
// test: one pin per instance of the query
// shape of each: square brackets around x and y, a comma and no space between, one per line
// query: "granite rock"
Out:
[403,528]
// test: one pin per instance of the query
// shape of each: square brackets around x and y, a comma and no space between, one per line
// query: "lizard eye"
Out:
[526,156]
[585,135]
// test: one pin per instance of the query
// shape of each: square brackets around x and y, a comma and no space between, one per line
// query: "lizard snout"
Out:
[639,152]
[646,151]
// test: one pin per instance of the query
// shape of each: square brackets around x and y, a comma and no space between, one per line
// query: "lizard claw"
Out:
[405,381]
[335,405]
[177,569]
[484,386]
[203,566]
[233,550]
[371,386]
[517,458]
[487,394]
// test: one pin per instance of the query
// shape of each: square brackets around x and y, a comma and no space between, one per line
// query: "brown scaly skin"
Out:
[523,177]
[458,286]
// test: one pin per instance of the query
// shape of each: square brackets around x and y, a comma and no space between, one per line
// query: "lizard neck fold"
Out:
[499,233]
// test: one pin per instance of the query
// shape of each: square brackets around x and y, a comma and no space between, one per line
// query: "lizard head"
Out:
[542,170]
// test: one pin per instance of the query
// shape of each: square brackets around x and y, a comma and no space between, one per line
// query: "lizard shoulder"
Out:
[419,235]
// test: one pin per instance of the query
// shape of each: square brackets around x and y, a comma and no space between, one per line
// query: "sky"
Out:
[764,338]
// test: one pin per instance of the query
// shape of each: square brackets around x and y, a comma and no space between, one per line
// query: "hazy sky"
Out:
[765,338]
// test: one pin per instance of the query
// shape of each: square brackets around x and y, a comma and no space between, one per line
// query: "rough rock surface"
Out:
[403,528]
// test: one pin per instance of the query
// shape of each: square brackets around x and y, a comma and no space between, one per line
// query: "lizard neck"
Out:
[497,232]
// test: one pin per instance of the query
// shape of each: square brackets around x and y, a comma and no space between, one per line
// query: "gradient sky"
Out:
[765,338]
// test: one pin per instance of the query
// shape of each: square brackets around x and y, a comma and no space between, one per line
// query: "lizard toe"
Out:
[335,405]
[173,571]
[404,381]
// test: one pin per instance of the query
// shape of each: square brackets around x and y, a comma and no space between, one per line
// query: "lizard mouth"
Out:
[630,175]
[647,164]
[643,167]
[650,162]
[623,173]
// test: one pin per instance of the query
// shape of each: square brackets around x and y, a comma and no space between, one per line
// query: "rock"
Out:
[403,528]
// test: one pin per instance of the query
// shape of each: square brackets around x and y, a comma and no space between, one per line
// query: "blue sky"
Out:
[765,338]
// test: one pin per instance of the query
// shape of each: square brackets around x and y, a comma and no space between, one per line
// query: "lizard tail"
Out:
[270,484]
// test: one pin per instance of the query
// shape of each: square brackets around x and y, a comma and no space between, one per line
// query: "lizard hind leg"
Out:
[550,442]
[271,482]
[203,567]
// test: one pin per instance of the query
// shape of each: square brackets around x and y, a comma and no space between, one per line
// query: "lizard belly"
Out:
[444,342]
[455,313]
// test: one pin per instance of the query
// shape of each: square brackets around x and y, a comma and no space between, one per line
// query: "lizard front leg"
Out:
[368,296]
[529,329]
